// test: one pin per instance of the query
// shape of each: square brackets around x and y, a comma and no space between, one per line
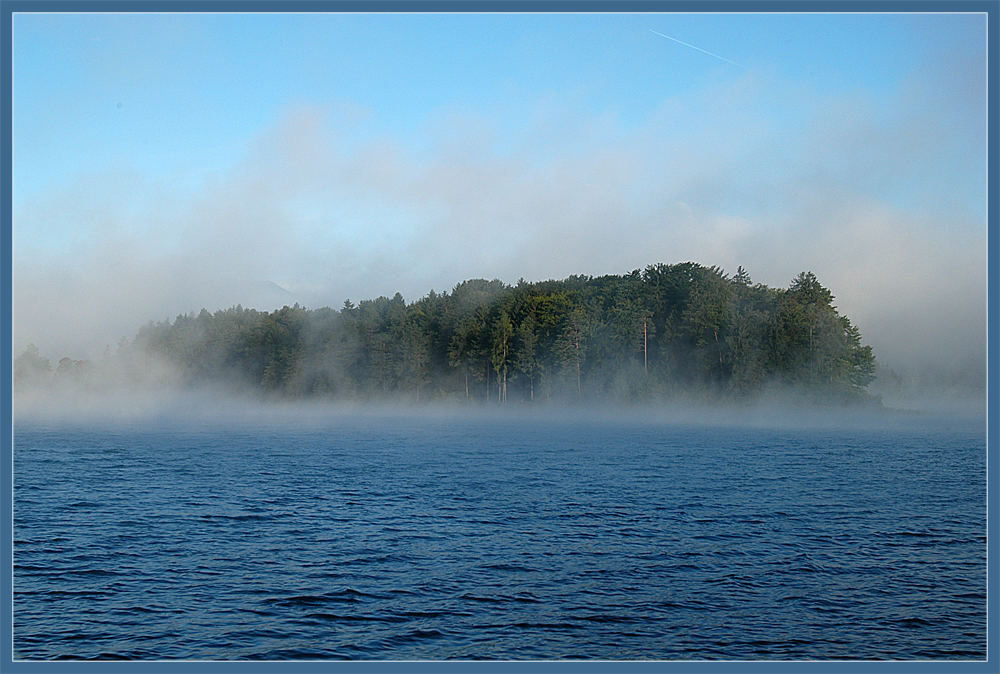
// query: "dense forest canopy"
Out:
[662,332]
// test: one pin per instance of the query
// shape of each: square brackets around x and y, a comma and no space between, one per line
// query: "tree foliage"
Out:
[667,330]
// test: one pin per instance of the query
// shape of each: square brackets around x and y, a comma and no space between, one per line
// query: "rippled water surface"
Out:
[500,539]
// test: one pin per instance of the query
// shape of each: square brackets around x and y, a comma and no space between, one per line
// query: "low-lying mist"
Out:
[182,408]
[679,344]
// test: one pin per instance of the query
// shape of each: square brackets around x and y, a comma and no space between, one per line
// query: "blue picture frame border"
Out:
[9,7]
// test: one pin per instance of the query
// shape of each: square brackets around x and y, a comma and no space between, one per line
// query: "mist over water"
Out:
[181,407]
[757,356]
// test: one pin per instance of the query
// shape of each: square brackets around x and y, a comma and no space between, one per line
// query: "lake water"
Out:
[506,537]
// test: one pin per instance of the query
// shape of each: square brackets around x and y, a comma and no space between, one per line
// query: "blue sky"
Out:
[165,162]
[163,93]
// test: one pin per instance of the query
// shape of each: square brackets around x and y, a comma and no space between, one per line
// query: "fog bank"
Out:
[180,409]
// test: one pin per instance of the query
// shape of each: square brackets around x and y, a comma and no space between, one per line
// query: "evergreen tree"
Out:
[666,330]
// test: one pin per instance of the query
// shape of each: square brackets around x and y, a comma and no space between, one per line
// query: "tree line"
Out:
[661,332]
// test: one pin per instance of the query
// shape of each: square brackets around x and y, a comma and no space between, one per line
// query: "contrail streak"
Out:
[721,58]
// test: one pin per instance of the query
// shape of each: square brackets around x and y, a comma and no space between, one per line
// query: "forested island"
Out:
[663,332]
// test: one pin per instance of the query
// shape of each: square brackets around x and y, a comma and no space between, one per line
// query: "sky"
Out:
[163,163]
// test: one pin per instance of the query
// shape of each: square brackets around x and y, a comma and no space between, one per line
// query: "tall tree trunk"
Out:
[645,361]
[579,383]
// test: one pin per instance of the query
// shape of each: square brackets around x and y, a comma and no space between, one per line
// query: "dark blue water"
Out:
[500,539]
